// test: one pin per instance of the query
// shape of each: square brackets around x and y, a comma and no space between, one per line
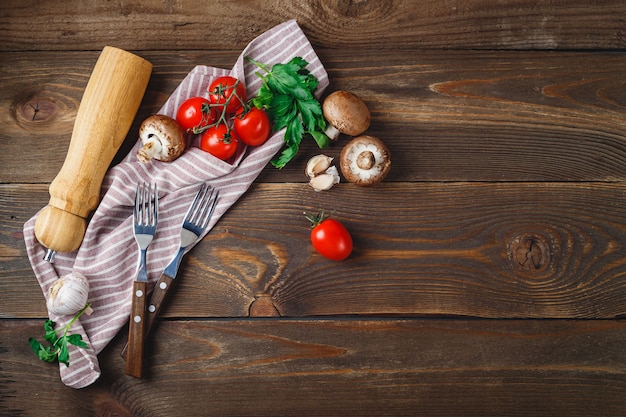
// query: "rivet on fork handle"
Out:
[194,225]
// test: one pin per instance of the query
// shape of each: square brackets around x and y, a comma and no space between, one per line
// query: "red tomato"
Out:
[253,127]
[219,141]
[330,238]
[228,91]
[195,113]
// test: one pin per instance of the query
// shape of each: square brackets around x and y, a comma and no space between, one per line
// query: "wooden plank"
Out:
[446,116]
[496,250]
[325,367]
[212,25]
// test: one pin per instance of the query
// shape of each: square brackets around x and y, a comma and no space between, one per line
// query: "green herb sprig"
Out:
[287,94]
[57,350]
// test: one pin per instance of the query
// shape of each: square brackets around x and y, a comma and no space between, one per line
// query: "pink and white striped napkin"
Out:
[108,255]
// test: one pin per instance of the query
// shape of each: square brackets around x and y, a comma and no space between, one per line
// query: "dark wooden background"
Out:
[488,277]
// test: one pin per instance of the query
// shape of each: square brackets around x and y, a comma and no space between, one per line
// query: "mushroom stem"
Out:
[151,148]
[365,160]
[332,132]
[162,137]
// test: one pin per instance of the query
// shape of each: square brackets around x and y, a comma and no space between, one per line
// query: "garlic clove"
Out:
[317,165]
[325,181]
[68,294]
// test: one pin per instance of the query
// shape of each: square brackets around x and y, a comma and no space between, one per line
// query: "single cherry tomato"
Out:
[219,141]
[253,127]
[195,113]
[229,92]
[330,238]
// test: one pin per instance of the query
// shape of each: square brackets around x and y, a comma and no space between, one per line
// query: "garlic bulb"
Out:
[68,294]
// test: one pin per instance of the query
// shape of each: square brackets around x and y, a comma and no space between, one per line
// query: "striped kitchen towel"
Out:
[108,255]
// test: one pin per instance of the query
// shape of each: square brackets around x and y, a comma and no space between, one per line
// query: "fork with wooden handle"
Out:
[145,217]
[195,223]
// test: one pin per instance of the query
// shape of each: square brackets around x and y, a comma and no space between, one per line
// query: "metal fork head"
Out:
[201,210]
[146,212]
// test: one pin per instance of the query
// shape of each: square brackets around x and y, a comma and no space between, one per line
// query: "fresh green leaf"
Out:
[64,354]
[76,340]
[295,65]
[294,132]
[310,111]
[281,106]
[287,94]
[43,353]
[321,139]
[283,82]
[58,349]
[311,82]
[286,155]
[50,333]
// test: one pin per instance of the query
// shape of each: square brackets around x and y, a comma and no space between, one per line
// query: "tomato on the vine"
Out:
[220,141]
[195,112]
[329,237]
[228,92]
[253,126]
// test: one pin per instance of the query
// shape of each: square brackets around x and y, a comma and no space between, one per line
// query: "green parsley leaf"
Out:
[58,349]
[76,340]
[286,155]
[50,333]
[287,94]
[322,140]
[310,111]
[64,354]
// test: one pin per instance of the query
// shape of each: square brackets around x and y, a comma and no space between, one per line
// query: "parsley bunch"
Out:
[287,97]
[58,349]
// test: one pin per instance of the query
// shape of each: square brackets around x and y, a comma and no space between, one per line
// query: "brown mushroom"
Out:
[162,137]
[365,160]
[346,113]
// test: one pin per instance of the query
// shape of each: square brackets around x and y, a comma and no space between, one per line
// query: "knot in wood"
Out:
[263,306]
[35,110]
[530,253]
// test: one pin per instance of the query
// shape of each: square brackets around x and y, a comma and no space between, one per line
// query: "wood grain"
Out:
[405,367]
[428,24]
[452,249]
[487,276]
[447,116]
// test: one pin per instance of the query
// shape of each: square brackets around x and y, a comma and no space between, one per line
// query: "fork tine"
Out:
[209,207]
[146,209]
[195,205]
[138,199]
[202,209]
[154,206]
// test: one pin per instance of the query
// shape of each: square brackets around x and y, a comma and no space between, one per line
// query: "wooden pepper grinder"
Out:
[105,115]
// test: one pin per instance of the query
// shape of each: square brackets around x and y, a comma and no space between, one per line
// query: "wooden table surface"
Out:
[489,270]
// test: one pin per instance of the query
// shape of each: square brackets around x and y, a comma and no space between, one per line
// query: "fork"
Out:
[145,216]
[195,223]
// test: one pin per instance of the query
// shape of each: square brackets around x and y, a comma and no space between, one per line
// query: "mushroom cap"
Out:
[163,139]
[346,112]
[365,160]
